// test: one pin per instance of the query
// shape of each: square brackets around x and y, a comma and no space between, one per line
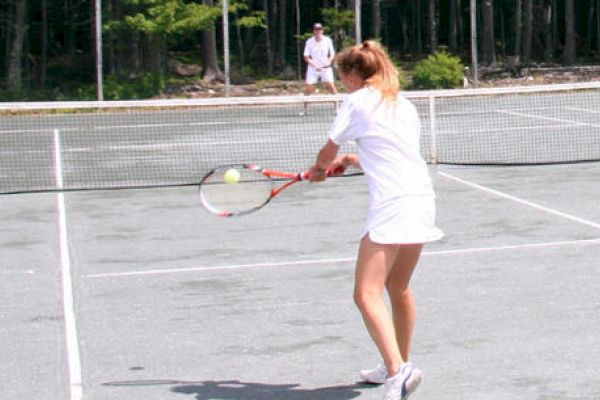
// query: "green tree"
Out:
[339,23]
[158,20]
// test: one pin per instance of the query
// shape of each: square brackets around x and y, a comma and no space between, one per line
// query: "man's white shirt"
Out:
[319,51]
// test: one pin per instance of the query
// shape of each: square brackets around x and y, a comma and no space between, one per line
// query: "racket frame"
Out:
[271,174]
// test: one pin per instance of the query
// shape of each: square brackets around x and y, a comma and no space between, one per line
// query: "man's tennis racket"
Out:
[239,189]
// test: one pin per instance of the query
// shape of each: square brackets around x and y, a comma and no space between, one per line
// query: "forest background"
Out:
[164,48]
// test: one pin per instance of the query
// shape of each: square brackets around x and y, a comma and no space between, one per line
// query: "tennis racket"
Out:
[239,189]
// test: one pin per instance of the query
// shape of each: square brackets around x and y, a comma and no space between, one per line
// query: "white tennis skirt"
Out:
[403,221]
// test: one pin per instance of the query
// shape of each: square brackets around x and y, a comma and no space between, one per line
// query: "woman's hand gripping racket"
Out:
[239,189]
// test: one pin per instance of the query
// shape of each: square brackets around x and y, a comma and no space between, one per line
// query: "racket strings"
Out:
[252,190]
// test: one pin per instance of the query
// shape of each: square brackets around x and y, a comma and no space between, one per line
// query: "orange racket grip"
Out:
[337,171]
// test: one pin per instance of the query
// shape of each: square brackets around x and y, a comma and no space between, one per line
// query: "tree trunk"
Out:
[528,30]
[376,18]
[282,33]
[590,23]
[70,16]
[405,29]
[351,5]
[108,42]
[44,50]
[502,41]
[120,56]
[270,58]
[518,27]
[15,68]
[211,70]
[452,35]
[135,55]
[240,44]
[272,24]
[418,34]
[549,14]
[555,37]
[299,48]
[432,27]
[570,50]
[460,25]
[489,40]
[598,25]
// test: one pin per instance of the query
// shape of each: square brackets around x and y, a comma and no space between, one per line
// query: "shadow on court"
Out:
[238,390]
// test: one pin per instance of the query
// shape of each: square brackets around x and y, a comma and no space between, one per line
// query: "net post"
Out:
[432,130]
[58,172]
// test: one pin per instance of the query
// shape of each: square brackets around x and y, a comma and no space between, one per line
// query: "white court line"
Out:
[512,129]
[72,342]
[176,145]
[521,201]
[147,126]
[218,268]
[159,146]
[336,260]
[575,123]
[24,131]
[11,273]
[587,110]
[170,125]
[42,130]
[181,124]
[489,111]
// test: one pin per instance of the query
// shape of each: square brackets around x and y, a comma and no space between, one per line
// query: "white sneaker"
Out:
[401,385]
[377,375]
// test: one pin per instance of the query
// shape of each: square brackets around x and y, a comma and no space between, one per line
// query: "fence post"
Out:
[357,21]
[473,9]
[226,45]
[99,63]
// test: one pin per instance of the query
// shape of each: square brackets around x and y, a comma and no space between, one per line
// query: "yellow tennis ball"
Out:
[232,175]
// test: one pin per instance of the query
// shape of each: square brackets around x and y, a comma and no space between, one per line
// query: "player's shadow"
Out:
[236,390]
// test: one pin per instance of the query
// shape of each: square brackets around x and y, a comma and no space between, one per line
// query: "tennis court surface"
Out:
[141,294]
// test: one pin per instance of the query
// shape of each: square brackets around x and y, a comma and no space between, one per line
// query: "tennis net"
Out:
[131,144]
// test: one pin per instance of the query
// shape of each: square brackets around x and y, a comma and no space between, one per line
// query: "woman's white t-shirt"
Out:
[401,196]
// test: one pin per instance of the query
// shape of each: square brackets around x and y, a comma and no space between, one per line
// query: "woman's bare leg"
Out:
[401,296]
[373,266]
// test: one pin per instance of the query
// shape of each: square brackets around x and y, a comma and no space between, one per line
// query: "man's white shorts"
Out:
[324,75]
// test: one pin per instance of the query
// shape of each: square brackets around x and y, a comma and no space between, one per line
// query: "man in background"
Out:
[318,55]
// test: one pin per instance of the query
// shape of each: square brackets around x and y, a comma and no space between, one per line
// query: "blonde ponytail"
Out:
[371,62]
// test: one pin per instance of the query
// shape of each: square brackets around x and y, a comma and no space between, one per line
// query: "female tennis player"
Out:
[386,129]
